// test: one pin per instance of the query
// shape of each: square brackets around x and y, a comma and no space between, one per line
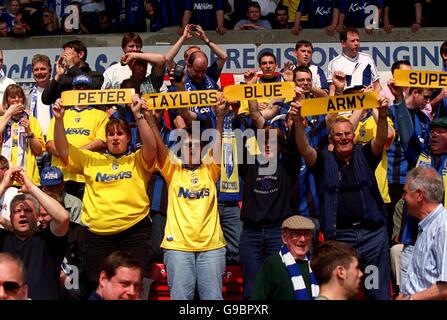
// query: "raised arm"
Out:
[12,110]
[221,55]
[149,148]
[251,77]
[60,139]
[381,138]
[61,218]
[157,60]
[162,150]
[308,153]
[170,55]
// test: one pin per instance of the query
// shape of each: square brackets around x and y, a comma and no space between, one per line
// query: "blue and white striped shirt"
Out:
[428,264]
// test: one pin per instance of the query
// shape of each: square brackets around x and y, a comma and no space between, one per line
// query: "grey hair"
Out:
[427,180]
[9,257]
[22,198]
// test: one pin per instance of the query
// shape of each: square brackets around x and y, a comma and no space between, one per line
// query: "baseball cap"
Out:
[82,79]
[298,223]
[439,122]
[51,176]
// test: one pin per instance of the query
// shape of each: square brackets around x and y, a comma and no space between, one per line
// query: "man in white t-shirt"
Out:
[358,67]
[6,198]
[4,82]
[41,67]
[116,73]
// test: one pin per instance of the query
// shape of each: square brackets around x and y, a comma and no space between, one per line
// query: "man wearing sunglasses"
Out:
[12,278]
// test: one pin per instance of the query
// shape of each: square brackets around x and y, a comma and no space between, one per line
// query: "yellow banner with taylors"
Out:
[181,99]
[346,102]
[421,79]
[97,97]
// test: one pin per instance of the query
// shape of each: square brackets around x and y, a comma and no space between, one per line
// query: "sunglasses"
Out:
[11,287]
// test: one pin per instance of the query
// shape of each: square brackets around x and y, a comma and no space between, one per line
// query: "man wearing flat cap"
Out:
[287,275]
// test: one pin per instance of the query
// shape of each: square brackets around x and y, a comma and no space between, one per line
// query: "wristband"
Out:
[208,42]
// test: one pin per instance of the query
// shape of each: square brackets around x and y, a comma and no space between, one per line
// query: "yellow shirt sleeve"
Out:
[100,132]
[37,130]
[213,168]
[77,159]
[170,166]
[50,133]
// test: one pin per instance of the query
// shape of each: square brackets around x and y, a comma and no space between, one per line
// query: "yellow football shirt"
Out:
[81,127]
[32,172]
[366,131]
[115,196]
[193,222]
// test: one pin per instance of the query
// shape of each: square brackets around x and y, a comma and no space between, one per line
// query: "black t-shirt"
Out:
[349,198]
[402,13]
[42,255]
[269,199]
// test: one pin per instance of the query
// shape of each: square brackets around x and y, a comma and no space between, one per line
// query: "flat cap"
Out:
[298,223]
[439,122]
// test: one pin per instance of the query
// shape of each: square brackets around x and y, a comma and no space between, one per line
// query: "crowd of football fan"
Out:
[92,195]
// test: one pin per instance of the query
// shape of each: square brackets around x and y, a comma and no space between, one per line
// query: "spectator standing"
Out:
[41,251]
[346,178]
[70,64]
[113,219]
[85,130]
[427,272]
[321,14]
[358,67]
[21,135]
[207,13]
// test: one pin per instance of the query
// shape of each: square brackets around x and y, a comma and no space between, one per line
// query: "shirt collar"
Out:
[349,58]
[426,222]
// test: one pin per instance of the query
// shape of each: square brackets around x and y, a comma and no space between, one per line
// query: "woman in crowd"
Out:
[194,244]
[20,133]
[115,205]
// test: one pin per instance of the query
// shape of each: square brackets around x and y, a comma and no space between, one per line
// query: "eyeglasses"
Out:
[339,135]
[11,287]
[426,97]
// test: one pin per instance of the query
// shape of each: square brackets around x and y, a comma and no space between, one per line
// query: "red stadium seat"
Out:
[232,283]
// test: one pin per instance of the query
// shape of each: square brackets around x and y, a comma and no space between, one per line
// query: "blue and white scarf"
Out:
[33,103]
[298,283]
[206,84]
[7,145]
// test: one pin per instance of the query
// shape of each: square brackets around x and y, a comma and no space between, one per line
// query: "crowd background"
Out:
[258,219]
[21,18]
